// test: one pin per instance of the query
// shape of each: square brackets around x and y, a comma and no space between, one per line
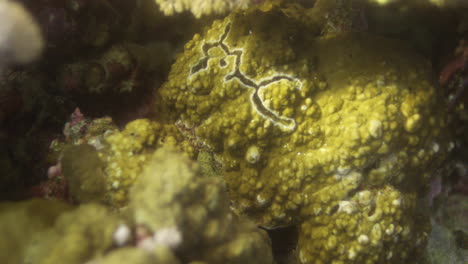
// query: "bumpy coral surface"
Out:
[190,213]
[104,169]
[201,7]
[372,226]
[304,126]
[129,151]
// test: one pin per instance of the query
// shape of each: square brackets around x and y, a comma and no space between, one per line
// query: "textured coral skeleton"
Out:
[285,123]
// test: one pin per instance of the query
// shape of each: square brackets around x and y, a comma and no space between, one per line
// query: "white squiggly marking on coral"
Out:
[285,123]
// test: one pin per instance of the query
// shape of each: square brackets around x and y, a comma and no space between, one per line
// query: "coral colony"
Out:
[233,131]
[288,124]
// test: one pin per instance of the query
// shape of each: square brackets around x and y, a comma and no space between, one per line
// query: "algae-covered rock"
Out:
[453,213]
[84,172]
[127,255]
[129,150]
[138,256]
[20,222]
[374,225]
[302,123]
[189,212]
[200,7]
[47,231]
[102,164]
[78,236]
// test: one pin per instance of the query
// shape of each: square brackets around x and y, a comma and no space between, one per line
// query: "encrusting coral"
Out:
[201,7]
[313,132]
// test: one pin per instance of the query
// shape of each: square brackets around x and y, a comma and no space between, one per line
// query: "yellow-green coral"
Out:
[46,232]
[139,256]
[194,209]
[201,7]
[20,224]
[129,151]
[372,226]
[175,215]
[84,172]
[302,123]
[106,171]
[78,236]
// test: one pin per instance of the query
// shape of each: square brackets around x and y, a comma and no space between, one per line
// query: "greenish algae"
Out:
[85,173]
